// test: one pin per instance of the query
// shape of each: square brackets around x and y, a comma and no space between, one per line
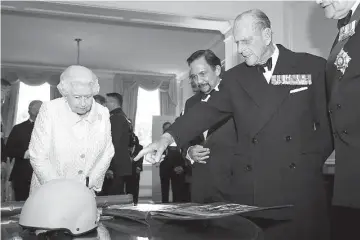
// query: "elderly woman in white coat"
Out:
[72,134]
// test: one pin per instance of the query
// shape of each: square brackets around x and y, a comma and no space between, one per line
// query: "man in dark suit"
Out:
[5,90]
[211,153]
[120,166]
[132,183]
[172,172]
[343,74]
[17,147]
[283,129]
[100,99]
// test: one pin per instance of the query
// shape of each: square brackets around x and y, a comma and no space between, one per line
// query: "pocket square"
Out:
[298,89]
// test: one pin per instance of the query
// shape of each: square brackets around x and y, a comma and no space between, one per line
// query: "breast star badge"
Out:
[342,61]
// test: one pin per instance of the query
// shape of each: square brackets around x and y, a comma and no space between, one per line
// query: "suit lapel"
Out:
[191,102]
[267,97]
[196,99]
[253,82]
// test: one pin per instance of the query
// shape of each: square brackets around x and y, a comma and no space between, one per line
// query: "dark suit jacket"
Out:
[120,129]
[139,163]
[173,159]
[16,146]
[283,138]
[211,182]
[3,151]
[344,90]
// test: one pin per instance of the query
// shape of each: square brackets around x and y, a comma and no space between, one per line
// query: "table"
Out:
[234,227]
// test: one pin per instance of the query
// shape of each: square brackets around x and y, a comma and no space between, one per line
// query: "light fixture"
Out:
[78,40]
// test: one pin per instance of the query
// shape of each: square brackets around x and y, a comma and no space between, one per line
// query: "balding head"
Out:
[255,17]
[34,103]
[77,75]
[253,36]
[34,108]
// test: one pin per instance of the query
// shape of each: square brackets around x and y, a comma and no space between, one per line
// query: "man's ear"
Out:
[218,70]
[267,35]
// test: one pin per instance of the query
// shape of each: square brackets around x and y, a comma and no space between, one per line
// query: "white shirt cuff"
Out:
[188,156]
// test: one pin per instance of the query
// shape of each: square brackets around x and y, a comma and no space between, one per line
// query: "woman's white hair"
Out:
[77,75]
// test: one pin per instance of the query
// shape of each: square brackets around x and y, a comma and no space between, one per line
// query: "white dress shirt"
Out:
[268,73]
[64,145]
[216,88]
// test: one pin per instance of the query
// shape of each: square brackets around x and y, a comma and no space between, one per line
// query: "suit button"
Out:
[345,132]
[82,155]
[316,125]
[288,138]
[330,111]
[292,166]
[248,168]
[254,141]
[338,106]
[80,172]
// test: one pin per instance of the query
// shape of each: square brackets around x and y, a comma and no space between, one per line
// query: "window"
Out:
[26,95]
[148,105]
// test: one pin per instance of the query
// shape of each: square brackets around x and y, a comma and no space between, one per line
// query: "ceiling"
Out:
[148,37]
[41,34]
[215,10]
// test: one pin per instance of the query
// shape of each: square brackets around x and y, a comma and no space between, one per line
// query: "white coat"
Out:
[63,145]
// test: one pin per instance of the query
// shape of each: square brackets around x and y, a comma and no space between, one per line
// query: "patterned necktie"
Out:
[268,64]
[344,21]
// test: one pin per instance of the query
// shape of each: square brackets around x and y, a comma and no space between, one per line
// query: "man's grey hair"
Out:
[261,19]
[77,75]
[5,83]
[34,102]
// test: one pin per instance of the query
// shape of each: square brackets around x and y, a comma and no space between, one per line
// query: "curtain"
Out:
[54,93]
[54,81]
[168,98]
[128,86]
[9,108]
[129,90]
[32,77]
[37,78]
[130,101]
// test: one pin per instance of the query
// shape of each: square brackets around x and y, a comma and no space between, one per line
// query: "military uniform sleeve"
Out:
[39,147]
[197,140]
[203,115]
[120,137]
[3,151]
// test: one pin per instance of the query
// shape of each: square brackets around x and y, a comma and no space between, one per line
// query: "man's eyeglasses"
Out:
[195,77]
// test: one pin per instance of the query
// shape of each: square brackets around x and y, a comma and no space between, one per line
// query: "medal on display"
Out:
[291,79]
[347,31]
[342,61]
